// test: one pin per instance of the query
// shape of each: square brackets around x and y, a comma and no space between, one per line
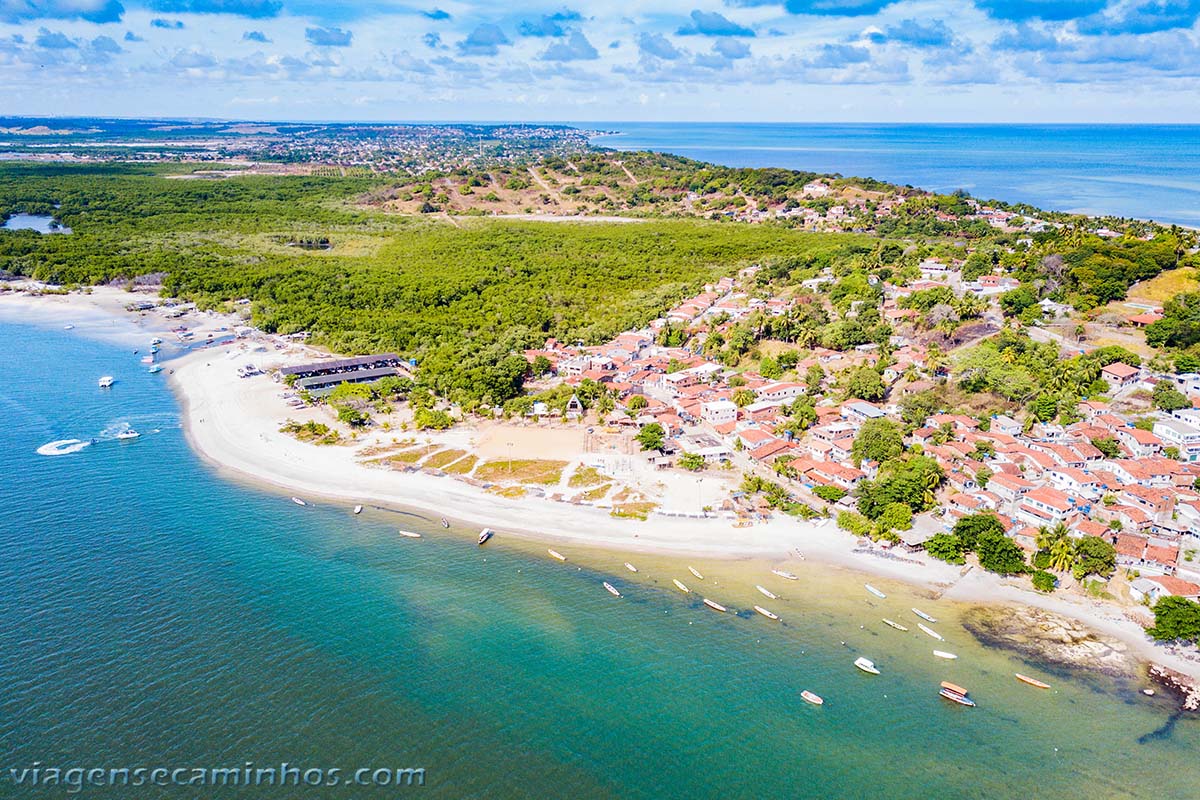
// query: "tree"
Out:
[896,517]
[693,462]
[830,494]
[971,527]
[866,384]
[541,365]
[1000,554]
[1176,619]
[638,402]
[743,397]
[425,418]
[352,416]
[1167,398]
[1043,581]
[1108,446]
[1094,556]
[652,437]
[1017,300]
[878,440]
[813,378]
[947,547]
[910,481]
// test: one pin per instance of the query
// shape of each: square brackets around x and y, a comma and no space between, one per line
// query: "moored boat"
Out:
[874,591]
[696,572]
[714,605]
[766,592]
[766,613]
[680,586]
[895,625]
[445,523]
[409,534]
[298,501]
[486,534]
[630,567]
[358,509]
[945,655]
[555,554]
[815,699]
[931,632]
[155,369]
[923,615]
[611,589]
[106,381]
[1031,681]
[866,665]
[155,341]
[956,693]
[787,575]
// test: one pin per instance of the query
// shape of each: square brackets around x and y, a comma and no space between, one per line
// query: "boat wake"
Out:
[62,447]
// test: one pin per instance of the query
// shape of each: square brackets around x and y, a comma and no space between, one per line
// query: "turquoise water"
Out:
[1142,171]
[155,613]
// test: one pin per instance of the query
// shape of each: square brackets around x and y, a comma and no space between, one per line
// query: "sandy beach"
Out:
[233,423]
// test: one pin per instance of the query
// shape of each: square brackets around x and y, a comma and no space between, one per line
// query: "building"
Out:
[1120,375]
[719,412]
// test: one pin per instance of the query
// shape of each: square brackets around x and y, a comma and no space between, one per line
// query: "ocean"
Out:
[1140,171]
[158,613]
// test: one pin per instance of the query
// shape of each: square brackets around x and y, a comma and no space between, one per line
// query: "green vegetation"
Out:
[522,471]
[1176,619]
[315,432]
[651,437]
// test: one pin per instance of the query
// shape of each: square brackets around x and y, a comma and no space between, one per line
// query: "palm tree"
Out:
[1062,554]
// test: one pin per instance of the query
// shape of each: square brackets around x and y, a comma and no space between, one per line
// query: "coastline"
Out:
[215,413]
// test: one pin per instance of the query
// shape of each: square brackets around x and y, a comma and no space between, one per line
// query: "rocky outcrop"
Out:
[1186,688]
[1049,638]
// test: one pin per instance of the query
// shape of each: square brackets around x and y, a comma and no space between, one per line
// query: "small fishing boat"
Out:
[358,509]
[815,699]
[486,534]
[555,554]
[923,615]
[611,589]
[895,625]
[945,655]
[787,575]
[695,572]
[715,606]
[1148,692]
[766,592]
[155,369]
[875,591]
[128,434]
[106,381]
[956,693]
[765,613]
[866,665]
[931,632]
[68,327]
[680,586]
[1032,681]
[445,523]
[155,341]
[409,534]
[630,567]
[298,501]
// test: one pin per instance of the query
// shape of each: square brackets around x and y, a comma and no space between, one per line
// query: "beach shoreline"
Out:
[233,426]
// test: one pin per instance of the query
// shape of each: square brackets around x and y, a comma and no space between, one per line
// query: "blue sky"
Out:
[767,60]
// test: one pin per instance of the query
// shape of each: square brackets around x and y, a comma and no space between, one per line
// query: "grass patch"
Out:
[512,492]
[1160,288]
[315,432]
[411,456]
[633,510]
[585,476]
[444,458]
[592,495]
[463,466]
[522,471]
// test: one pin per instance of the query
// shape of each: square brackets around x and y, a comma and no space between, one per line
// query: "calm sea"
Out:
[155,613]
[1142,171]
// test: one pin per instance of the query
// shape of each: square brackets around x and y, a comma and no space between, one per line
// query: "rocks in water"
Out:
[1049,638]
[1187,688]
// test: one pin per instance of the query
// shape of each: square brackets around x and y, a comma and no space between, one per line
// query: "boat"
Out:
[630,567]
[695,572]
[1148,692]
[147,359]
[155,369]
[923,615]
[787,575]
[945,655]
[715,606]
[875,591]
[445,523]
[611,589]
[895,625]
[931,632]
[956,693]
[358,509]
[298,501]
[68,327]
[554,553]
[866,665]
[766,592]
[486,534]
[409,534]
[815,699]
[1031,681]
[106,381]
[127,434]
[155,341]
[765,613]
[680,586]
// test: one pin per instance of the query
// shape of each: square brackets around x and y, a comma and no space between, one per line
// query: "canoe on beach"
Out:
[931,632]
[945,655]
[895,625]
[875,591]
[486,534]
[409,534]
[923,615]
[695,572]
[787,575]
[555,554]
[680,586]
[611,589]
[630,567]
[766,613]
[1031,681]
[766,592]
[715,606]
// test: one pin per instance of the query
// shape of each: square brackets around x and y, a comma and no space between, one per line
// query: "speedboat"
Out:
[956,693]
[895,625]
[298,501]
[931,632]
[815,699]
[611,589]
[765,592]
[874,591]
[358,509]
[486,534]
[787,575]
[714,605]
[866,665]
[630,567]
[1032,681]
[680,586]
[445,523]
[155,341]
[945,655]
[766,613]
[923,615]
[409,534]
[155,369]
[106,381]
[696,573]
[127,434]
[555,554]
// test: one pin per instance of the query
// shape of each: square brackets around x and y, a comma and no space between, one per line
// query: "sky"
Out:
[661,60]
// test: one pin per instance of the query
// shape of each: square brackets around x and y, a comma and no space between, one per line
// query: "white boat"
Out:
[155,341]
[923,615]
[486,534]
[766,613]
[866,665]
[358,509]
[409,534]
[106,381]
[956,693]
[68,327]
[298,501]
[127,434]
[874,591]
[445,522]
[787,575]
[766,592]
[931,631]
[815,699]
[155,369]
[680,586]
[695,572]
[611,589]
[714,605]
[555,554]
[630,567]
[895,625]
[945,655]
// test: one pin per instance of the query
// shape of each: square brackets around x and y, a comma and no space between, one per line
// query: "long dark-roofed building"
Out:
[321,377]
